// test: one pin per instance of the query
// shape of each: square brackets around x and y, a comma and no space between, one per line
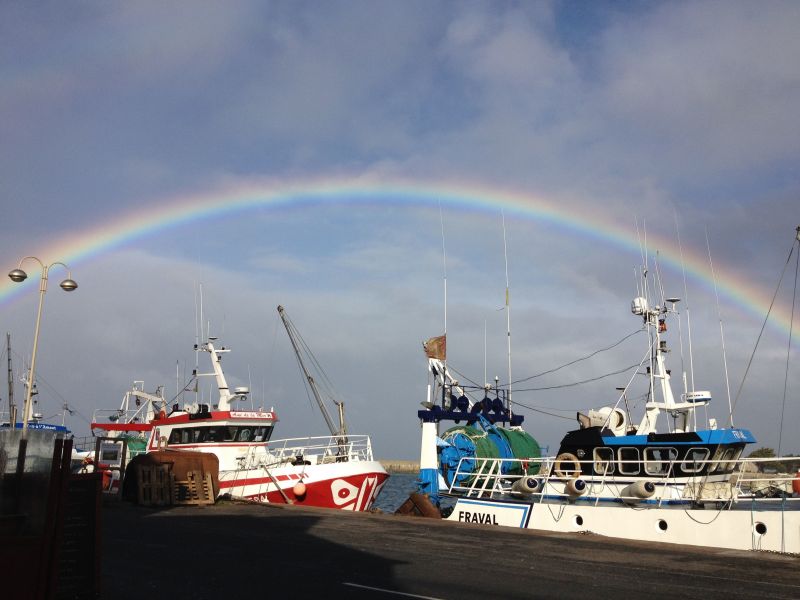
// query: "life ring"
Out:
[567,466]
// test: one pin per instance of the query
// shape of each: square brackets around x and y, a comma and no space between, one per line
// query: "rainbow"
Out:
[181,210]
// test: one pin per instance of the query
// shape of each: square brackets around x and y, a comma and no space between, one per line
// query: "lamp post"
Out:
[68,285]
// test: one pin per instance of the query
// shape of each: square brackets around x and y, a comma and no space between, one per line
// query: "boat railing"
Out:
[111,416]
[322,449]
[714,481]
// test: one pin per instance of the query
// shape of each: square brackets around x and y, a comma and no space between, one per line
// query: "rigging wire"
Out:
[477,386]
[582,358]
[543,412]
[573,384]
[789,347]
[763,326]
[325,382]
[633,401]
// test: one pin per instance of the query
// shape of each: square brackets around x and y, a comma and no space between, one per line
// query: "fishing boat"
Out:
[671,476]
[34,419]
[336,471]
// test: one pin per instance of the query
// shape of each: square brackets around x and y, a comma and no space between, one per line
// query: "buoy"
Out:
[796,483]
[575,487]
[639,490]
[299,490]
[526,486]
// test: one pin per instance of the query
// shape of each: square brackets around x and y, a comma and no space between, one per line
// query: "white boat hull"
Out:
[736,529]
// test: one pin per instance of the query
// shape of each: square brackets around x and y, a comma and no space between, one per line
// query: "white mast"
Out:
[225,395]
[444,267]
[688,315]
[508,313]
[721,334]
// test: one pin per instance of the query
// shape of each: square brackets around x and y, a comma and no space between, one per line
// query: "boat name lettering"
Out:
[251,415]
[471,517]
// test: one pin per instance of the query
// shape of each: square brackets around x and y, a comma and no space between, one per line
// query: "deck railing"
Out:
[716,482]
[323,449]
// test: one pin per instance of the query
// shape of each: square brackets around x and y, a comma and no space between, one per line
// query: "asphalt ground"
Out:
[238,551]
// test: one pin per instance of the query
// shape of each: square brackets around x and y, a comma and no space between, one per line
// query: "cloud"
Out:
[706,89]
[634,114]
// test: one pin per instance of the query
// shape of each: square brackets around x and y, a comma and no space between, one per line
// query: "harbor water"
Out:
[396,491]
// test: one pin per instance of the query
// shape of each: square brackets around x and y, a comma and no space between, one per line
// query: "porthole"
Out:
[578,520]
[662,525]
[760,528]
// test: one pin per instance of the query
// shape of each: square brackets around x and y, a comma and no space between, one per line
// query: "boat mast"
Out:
[341,431]
[508,315]
[225,395]
[444,271]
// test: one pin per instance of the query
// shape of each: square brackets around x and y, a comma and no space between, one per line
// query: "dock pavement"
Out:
[239,550]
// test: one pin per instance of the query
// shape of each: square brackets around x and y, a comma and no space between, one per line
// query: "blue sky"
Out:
[630,110]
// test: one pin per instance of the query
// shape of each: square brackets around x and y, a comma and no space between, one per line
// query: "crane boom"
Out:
[341,430]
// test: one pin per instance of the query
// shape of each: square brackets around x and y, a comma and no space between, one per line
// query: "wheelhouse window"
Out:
[694,461]
[628,461]
[217,434]
[603,461]
[729,459]
[659,461]
[725,459]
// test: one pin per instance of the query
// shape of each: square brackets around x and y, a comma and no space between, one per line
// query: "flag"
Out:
[436,347]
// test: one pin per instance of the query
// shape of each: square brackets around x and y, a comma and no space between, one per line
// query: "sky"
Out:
[345,159]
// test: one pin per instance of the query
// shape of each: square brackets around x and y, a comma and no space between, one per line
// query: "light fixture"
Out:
[68,285]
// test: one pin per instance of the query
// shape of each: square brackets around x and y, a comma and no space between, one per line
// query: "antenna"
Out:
[660,280]
[197,319]
[444,267]
[686,300]
[202,333]
[508,313]
[721,333]
[485,383]
[250,387]
[641,246]
[644,294]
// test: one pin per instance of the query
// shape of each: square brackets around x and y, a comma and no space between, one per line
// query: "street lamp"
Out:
[68,285]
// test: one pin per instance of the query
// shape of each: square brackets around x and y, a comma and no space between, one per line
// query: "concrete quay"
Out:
[400,466]
[242,550]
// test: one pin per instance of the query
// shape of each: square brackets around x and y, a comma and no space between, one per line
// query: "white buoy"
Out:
[575,487]
[639,490]
[526,486]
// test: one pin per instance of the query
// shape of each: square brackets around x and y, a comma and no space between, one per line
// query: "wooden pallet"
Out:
[196,489]
[154,487]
